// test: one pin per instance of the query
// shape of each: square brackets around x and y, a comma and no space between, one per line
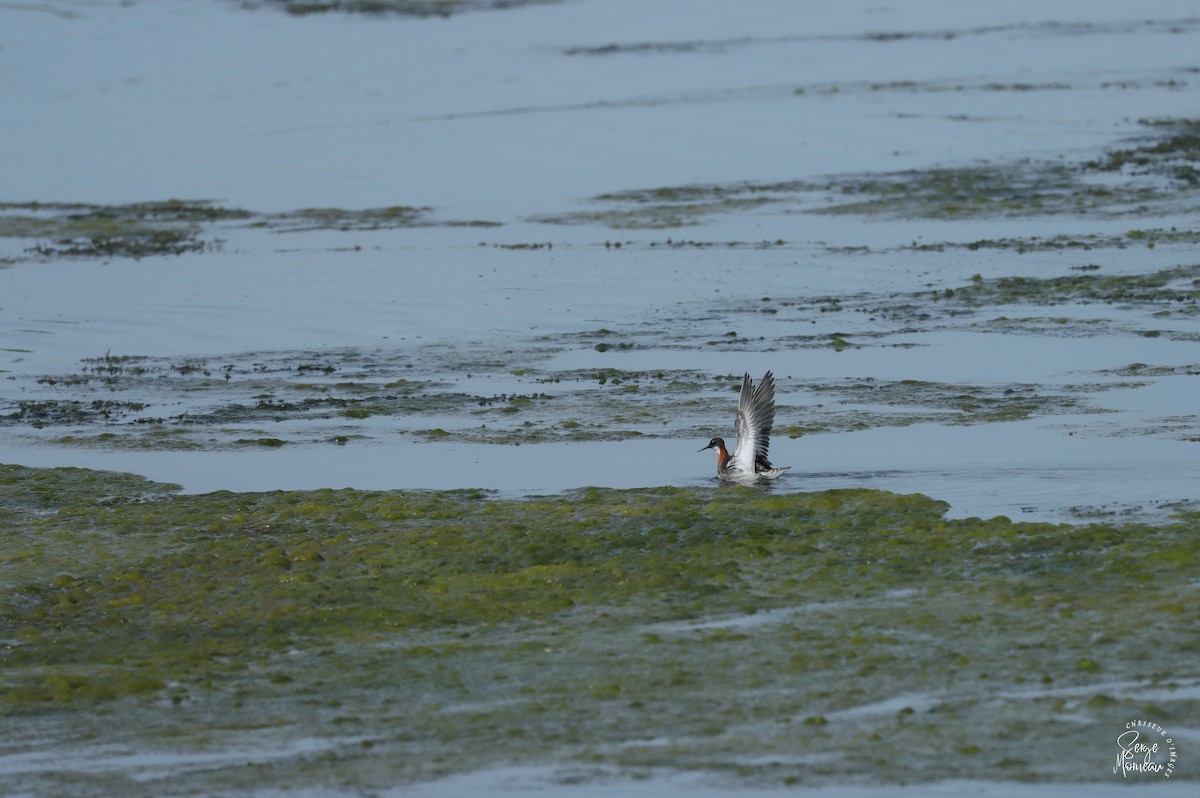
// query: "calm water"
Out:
[519,118]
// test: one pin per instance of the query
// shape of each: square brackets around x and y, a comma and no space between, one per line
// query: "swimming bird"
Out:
[755,417]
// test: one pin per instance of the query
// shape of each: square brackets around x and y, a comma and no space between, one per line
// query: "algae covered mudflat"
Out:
[407,635]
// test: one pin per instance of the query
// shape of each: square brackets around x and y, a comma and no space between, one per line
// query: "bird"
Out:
[755,417]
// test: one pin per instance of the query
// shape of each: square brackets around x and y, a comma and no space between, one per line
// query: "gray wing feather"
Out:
[755,417]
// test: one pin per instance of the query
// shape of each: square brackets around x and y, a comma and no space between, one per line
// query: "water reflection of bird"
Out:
[755,417]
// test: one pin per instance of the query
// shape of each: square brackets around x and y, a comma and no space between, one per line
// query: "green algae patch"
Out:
[135,230]
[40,413]
[866,403]
[340,219]
[1158,174]
[138,403]
[40,489]
[399,8]
[1173,152]
[884,37]
[174,227]
[655,216]
[1160,169]
[456,630]
[1142,304]
[390,218]
[678,206]
[1084,242]
[966,192]
[1176,288]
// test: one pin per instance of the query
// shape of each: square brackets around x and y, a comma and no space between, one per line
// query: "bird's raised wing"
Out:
[755,417]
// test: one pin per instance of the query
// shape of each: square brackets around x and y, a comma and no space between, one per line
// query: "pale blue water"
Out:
[508,117]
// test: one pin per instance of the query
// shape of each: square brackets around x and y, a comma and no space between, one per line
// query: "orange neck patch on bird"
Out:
[722,456]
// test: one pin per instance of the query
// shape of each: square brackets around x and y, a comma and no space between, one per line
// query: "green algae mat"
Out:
[369,639]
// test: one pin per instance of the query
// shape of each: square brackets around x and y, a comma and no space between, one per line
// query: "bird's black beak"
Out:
[705,448]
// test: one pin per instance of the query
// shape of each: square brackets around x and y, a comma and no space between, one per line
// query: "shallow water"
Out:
[593,224]
[521,781]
